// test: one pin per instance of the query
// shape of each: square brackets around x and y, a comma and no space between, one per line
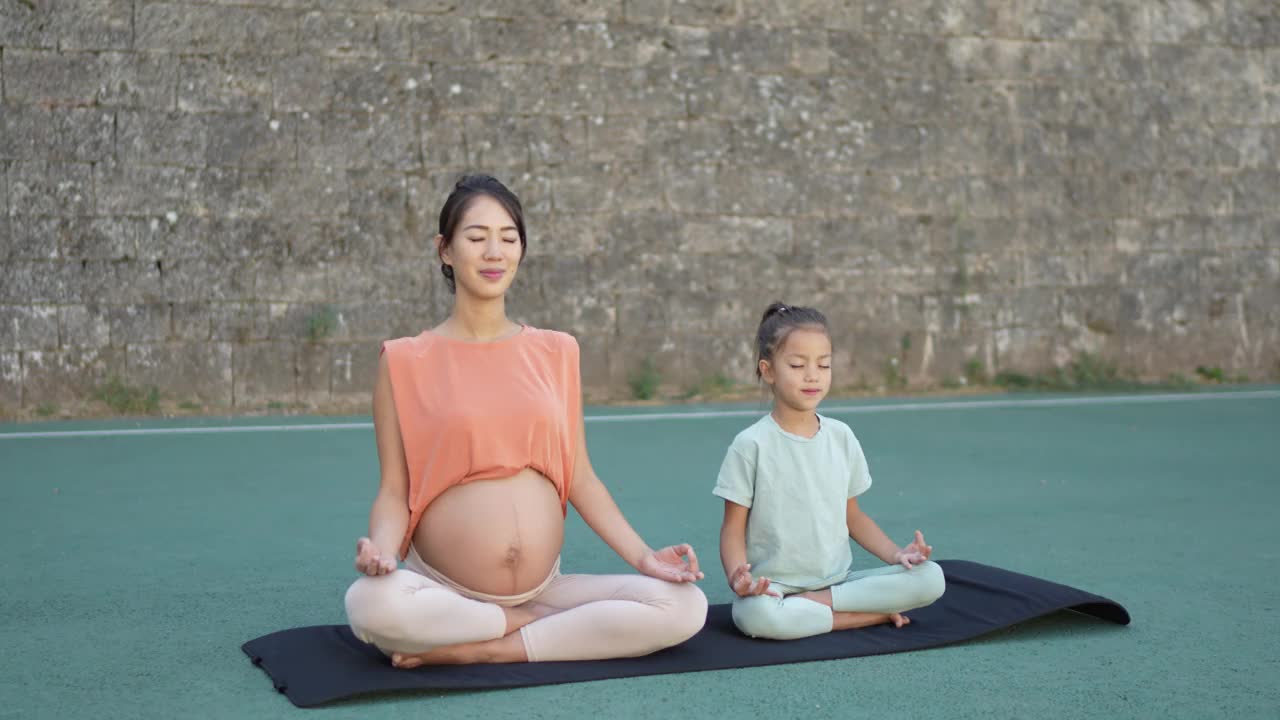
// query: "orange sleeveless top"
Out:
[484,410]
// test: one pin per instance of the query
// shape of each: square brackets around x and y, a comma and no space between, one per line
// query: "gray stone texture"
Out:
[235,200]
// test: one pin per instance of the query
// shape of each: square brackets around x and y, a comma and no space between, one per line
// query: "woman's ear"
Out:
[442,250]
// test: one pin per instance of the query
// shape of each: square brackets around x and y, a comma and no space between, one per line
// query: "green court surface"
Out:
[133,566]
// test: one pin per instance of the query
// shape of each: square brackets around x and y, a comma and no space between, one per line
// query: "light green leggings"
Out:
[892,589]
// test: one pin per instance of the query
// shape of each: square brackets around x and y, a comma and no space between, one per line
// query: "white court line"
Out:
[696,415]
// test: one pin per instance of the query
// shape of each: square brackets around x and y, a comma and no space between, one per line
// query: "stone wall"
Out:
[233,200]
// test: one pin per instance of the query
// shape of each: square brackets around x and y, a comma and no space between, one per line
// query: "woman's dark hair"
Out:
[467,189]
[779,320]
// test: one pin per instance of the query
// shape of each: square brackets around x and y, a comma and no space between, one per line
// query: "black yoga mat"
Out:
[322,663]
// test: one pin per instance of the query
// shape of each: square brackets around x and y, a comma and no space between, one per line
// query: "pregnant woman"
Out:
[481,446]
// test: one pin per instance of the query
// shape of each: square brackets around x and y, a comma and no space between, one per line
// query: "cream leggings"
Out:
[602,616]
[892,589]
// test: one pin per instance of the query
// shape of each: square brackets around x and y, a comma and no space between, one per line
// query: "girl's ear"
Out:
[442,250]
[766,371]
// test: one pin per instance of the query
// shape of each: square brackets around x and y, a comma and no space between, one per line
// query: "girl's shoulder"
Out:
[749,439]
[840,431]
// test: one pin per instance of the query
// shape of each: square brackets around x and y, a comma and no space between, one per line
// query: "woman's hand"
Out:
[670,564]
[915,553]
[369,560]
[742,583]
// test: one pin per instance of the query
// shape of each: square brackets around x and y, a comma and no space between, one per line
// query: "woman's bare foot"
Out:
[509,648]
[521,615]
[505,649]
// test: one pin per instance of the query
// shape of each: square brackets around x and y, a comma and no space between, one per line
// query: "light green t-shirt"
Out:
[797,489]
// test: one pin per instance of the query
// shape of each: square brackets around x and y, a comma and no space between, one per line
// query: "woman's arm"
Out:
[593,502]
[389,518]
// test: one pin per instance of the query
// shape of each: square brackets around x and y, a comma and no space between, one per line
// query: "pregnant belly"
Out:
[499,537]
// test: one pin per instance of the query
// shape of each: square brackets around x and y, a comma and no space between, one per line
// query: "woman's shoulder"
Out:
[554,341]
[401,345]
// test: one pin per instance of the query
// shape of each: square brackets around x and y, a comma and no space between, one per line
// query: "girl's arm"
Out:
[868,534]
[593,502]
[733,553]
[733,539]
[389,518]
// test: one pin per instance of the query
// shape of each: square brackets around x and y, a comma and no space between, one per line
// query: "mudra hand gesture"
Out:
[674,563]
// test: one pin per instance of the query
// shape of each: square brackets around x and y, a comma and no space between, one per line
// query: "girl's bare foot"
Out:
[851,620]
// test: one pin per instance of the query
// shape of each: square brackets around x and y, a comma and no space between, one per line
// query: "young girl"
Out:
[790,483]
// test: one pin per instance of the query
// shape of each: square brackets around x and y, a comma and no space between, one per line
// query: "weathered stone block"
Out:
[67,376]
[30,132]
[1187,21]
[355,368]
[111,238]
[28,327]
[646,11]
[465,89]
[803,13]
[172,138]
[704,12]
[857,53]
[296,83]
[393,36]
[139,323]
[127,189]
[200,279]
[185,371]
[29,238]
[341,34]
[211,84]
[26,25]
[93,24]
[50,188]
[735,235]
[385,87]
[1253,24]
[1255,191]
[553,90]
[315,369]
[10,380]
[693,187]
[359,140]
[393,278]
[280,282]
[235,192]
[1162,194]
[84,326]
[111,78]
[264,372]
[1082,20]
[236,322]
[206,29]
[252,140]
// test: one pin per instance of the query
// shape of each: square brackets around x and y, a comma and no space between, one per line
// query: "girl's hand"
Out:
[915,553]
[670,564]
[742,583]
[369,560]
